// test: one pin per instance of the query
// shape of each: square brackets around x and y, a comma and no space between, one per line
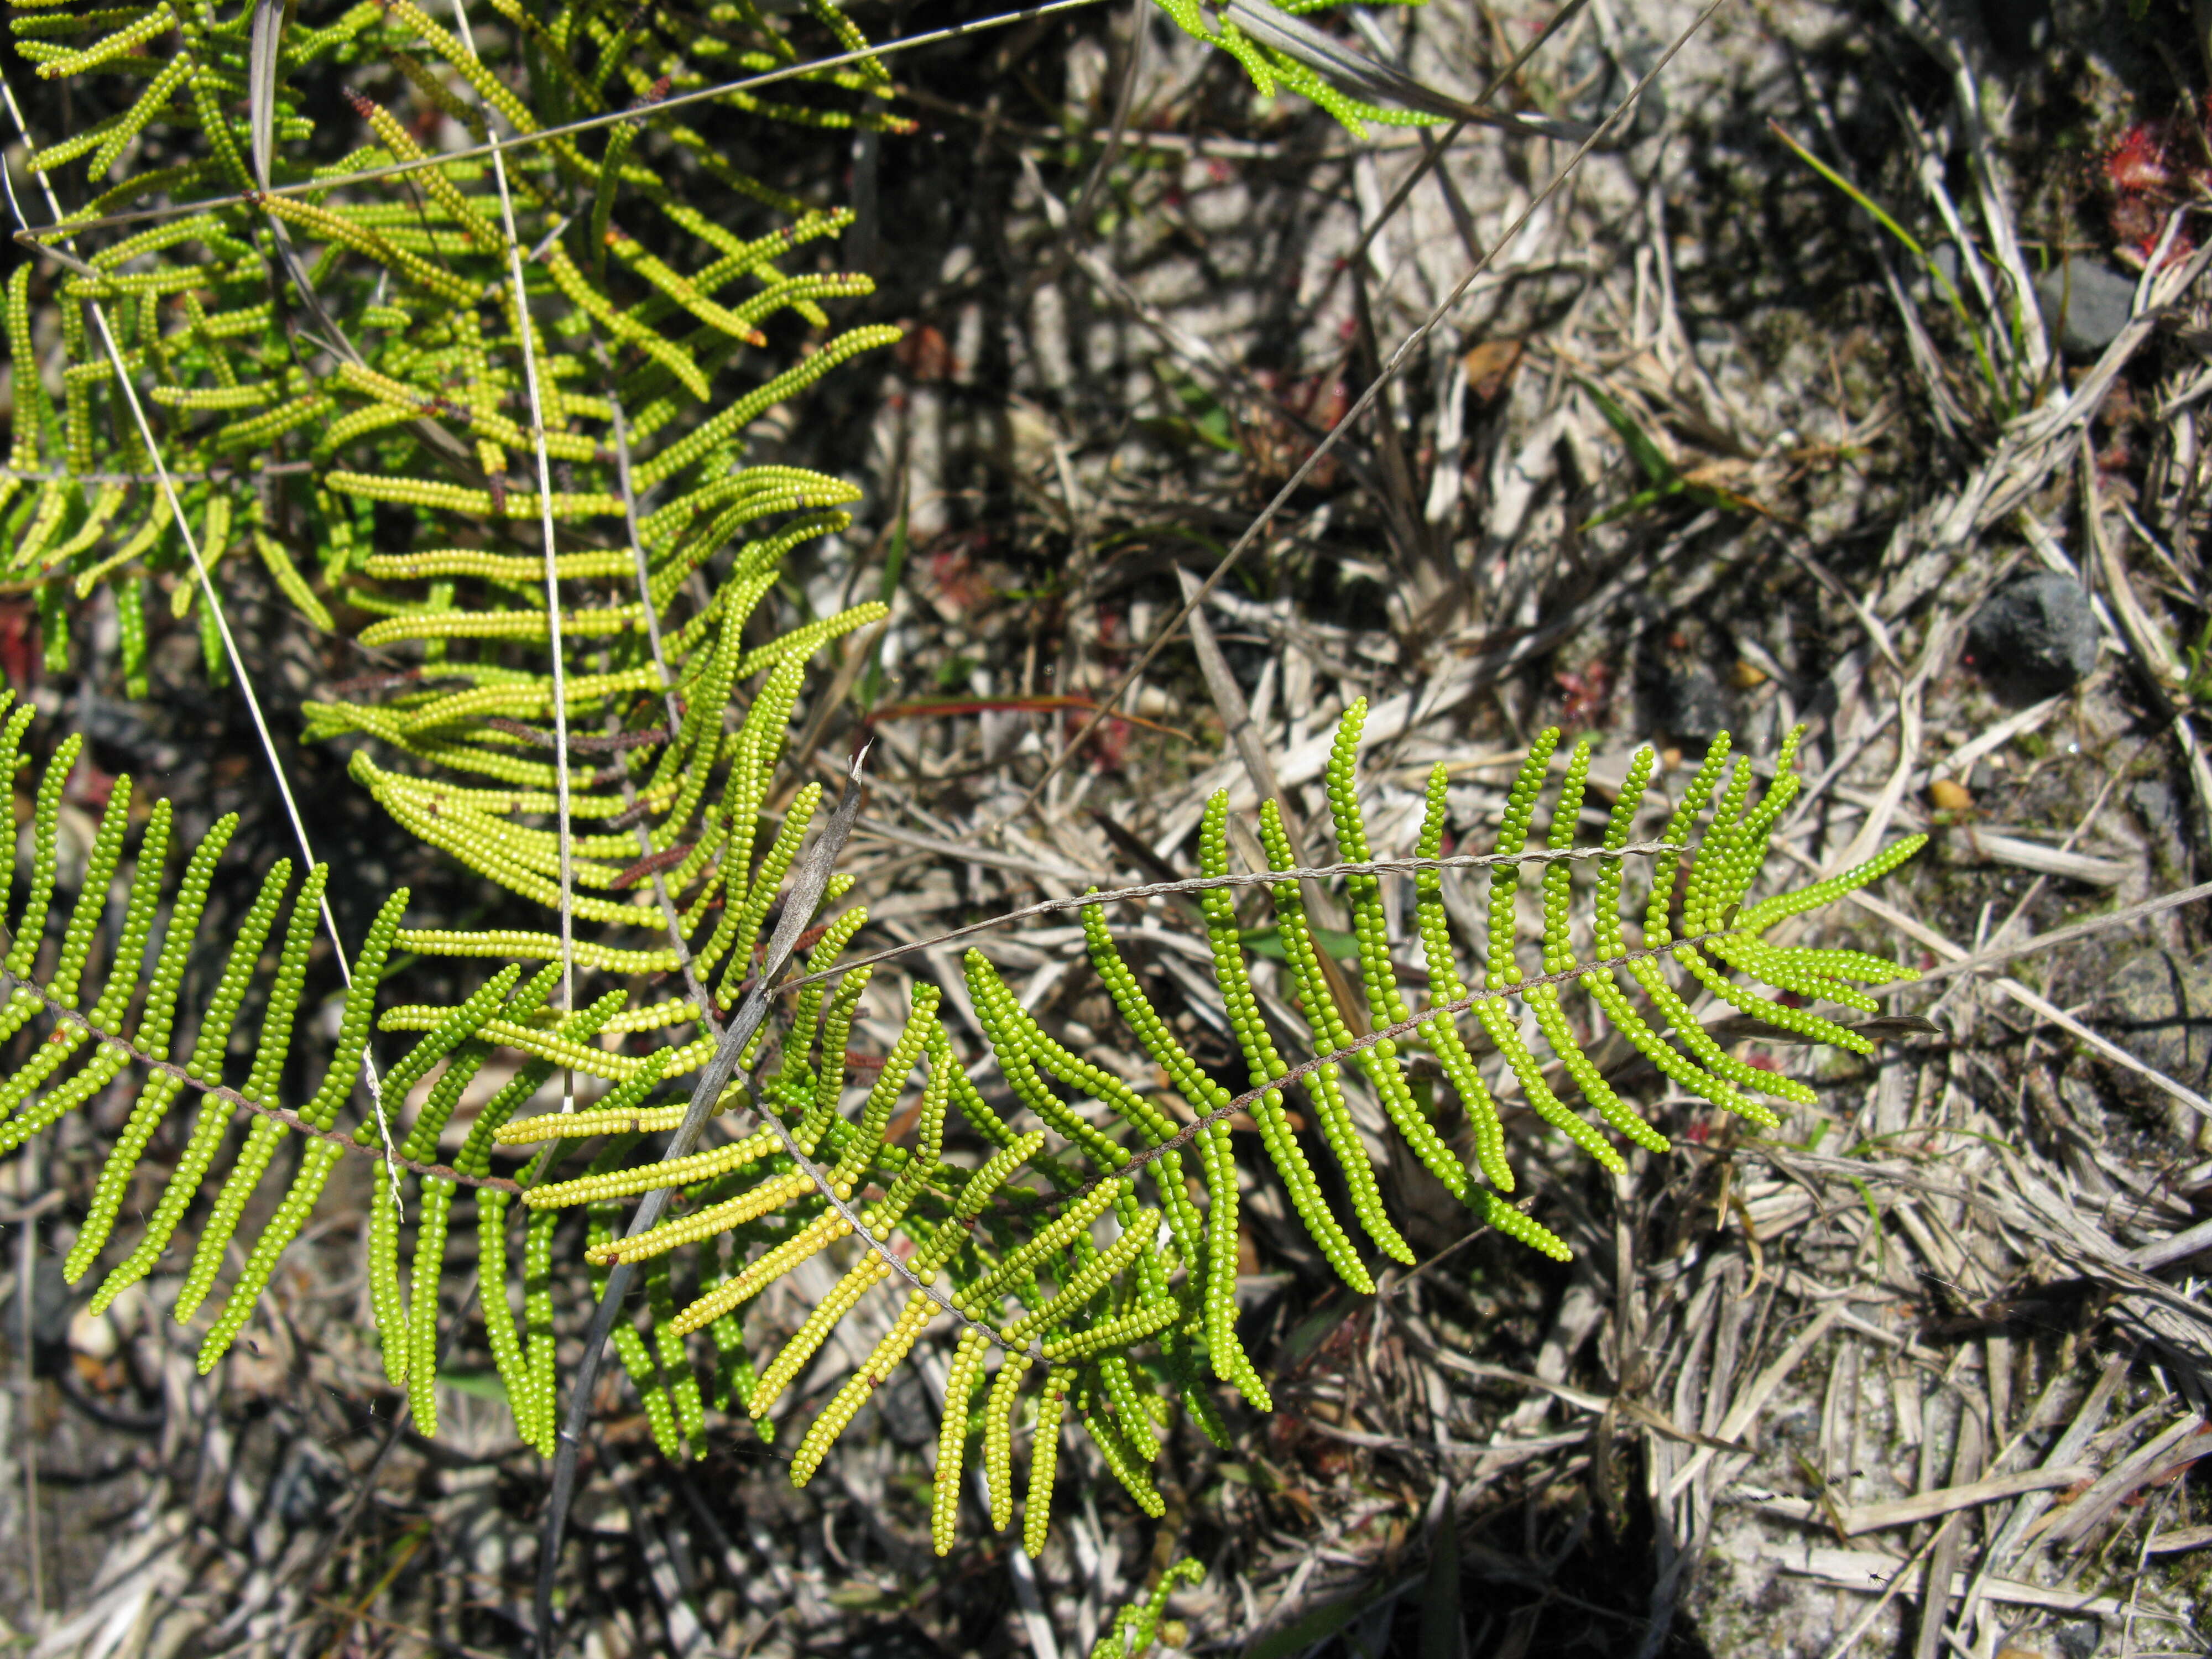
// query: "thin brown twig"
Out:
[1263,878]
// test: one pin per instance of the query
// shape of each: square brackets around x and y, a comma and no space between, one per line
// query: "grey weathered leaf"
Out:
[261,83]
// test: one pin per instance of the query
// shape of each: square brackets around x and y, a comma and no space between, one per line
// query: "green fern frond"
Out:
[1039,1287]
[1136,1626]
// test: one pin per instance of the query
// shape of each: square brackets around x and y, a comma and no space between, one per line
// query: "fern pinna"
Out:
[507,397]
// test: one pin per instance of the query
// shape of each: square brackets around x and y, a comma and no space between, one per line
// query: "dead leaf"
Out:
[1490,368]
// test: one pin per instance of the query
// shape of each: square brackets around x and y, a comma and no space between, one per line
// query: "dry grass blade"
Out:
[268,38]
[2180,1539]
[1869,1572]
[2148,1461]
[1944,1500]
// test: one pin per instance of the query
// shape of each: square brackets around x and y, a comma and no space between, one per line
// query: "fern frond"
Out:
[1136,1626]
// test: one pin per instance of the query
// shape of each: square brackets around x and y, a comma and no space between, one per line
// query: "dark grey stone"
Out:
[2159,1008]
[2034,636]
[2085,302]
[1691,703]
[2080,1639]
[2154,799]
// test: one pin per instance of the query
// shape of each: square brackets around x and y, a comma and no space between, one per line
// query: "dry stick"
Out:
[2149,1258]
[1390,370]
[1261,878]
[1945,1500]
[27,1259]
[208,594]
[527,332]
[588,124]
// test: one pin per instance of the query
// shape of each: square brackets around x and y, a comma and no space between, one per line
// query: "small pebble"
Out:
[93,1335]
[2035,637]
[2086,302]
[1947,795]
